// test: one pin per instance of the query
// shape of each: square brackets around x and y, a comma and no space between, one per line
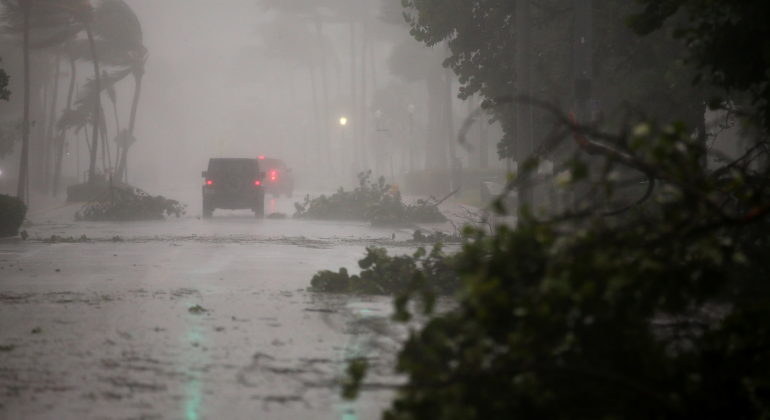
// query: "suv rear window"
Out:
[242,166]
[274,164]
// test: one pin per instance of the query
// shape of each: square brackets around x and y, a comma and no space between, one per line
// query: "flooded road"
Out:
[189,319]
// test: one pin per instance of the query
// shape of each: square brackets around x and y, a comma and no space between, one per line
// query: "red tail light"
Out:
[257,183]
[272,176]
[208,182]
[261,157]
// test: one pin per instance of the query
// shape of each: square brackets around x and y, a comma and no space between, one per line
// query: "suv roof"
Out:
[220,164]
[271,162]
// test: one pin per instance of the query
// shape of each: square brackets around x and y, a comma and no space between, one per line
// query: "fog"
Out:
[233,79]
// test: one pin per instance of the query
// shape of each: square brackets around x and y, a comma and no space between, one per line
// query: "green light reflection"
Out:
[192,358]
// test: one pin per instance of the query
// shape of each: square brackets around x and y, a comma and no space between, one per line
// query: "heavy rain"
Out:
[397,209]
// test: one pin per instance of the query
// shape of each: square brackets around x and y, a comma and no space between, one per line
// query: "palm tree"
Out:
[72,59]
[85,13]
[118,41]
[50,23]
[121,45]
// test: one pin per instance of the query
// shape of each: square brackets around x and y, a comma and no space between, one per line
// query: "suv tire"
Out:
[208,210]
[259,210]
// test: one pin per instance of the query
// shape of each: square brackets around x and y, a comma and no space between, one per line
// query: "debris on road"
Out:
[371,202]
[197,310]
[129,204]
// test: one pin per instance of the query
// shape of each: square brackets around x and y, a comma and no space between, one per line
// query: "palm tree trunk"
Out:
[117,131]
[97,106]
[449,115]
[122,166]
[51,124]
[105,143]
[60,144]
[38,142]
[24,165]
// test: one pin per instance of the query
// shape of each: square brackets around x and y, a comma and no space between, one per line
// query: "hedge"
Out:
[12,213]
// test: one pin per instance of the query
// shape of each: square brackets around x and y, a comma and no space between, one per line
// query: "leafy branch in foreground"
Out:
[661,312]
[371,202]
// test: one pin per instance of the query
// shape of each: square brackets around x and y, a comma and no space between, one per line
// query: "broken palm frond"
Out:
[371,202]
[128,204]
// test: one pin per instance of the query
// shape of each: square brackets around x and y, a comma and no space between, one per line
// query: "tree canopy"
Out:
[658,309]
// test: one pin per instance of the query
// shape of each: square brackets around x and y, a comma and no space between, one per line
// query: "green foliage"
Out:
[55,239]
[435,237]
[129,204]
[197,310]
[372,202]
[355,373]
[12,213]
[386,275]
[9,136]
[661,313]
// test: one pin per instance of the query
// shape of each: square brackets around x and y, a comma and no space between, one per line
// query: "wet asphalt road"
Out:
[189,319]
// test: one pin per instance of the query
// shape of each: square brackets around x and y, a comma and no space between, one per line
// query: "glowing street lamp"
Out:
[343,121]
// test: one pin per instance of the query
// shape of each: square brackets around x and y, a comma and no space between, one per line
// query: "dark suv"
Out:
[233,184]
[279,179]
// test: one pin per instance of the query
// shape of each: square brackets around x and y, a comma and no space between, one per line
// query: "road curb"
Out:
[11,240]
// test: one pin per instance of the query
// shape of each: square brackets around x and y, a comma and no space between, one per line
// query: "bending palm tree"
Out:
[121,42]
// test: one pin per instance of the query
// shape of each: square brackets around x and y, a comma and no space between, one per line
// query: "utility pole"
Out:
[524,106]
[583,69]
[583,64]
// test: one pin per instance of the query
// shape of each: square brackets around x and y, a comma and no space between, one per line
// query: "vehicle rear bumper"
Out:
[224,200]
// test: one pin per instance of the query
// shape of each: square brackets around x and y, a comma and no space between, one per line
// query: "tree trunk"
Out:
[61,138]
[362,163]
[123,165]
[353,120]
[105,143]
[24,165]
[325,87]
[449,123]
[38,143]
[97,106]
[52,123]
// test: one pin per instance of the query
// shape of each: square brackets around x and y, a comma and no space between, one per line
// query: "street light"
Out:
[304,142]
[344,150]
